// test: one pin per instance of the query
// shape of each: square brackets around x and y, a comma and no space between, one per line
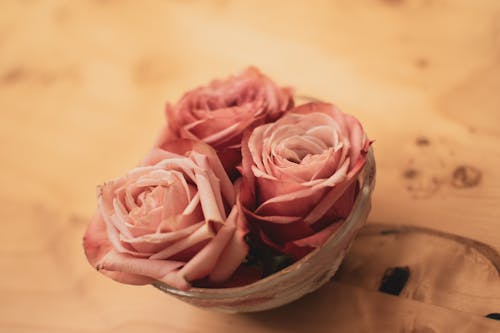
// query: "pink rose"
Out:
[220,112]
[300,176]
[173,220]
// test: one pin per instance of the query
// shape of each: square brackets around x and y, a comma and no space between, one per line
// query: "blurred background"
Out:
[83,87]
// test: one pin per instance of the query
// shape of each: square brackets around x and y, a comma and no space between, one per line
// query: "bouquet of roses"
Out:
[240,183]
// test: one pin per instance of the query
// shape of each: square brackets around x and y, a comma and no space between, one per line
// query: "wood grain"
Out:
[82,91]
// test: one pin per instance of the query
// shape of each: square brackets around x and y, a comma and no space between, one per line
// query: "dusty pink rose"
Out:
[220,112]
[173,220]
[300,176]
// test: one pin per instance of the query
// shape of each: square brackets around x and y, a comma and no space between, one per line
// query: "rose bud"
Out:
[220,112]
[172,220]
[300,176]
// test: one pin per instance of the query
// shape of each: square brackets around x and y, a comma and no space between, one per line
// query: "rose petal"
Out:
[327,202]
[204,261]
[126,264]
[297,203]
[235,251]
[183,146]
[270,218]
[204,232]
[97,246]
[210,201]
[209,185]
[149,244]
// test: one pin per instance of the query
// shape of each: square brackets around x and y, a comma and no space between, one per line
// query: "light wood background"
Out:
[82,90]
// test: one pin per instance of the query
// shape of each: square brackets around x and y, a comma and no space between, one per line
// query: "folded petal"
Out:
[235,251]
[203,233]
[184,146]
[203,263]
[97,246]
[123,264]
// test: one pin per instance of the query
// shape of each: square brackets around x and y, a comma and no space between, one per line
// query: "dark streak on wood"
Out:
[422,141]
[77,220]
[494,315]
[389,232]
[13,75]
[394,280]
[422,63]
[393,2]
[410,173]
[466,176]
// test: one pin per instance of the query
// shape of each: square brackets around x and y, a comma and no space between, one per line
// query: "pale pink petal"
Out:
[122,218]
[269,188]
[204,261]
[327,202]
[175,280]
[184,146]
[204,232]
[208,198]
[234,253]
[279,219]
[152,243]
[328,166]
[183,164]
[209,189]
[247,188]
[215,164]
[185,133]
[156,155]
[262,174]
[110,219]
[224,133]
[175,200]
[190,208]
[297,203]
[326,133]
[126,264]
[253,144]
[311,167]
[212,128]
[97,246]
[181,221]
[357,138]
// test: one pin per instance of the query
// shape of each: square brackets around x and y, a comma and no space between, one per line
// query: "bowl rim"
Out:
[367,180]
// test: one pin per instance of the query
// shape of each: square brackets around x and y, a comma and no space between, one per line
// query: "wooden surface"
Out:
[82,90]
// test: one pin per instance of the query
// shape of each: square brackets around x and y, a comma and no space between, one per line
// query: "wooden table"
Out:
[82,90]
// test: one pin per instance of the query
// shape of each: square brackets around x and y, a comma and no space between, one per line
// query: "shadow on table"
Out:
[314,312]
